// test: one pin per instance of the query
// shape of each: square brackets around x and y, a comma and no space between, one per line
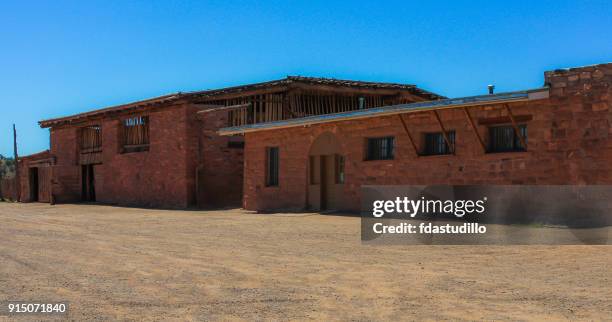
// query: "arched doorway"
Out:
[326,174]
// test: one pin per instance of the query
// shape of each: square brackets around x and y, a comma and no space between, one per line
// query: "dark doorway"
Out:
[88,192]
[33,176]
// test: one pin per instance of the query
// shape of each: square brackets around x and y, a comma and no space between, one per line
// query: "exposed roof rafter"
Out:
[237,90]
[519,96]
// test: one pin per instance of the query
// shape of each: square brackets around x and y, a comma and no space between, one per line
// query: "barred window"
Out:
[504,138]
[136,134]
[380,148]
[91,139]
[435,144]
[272,166]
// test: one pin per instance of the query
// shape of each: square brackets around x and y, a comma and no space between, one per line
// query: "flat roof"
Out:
[509,97]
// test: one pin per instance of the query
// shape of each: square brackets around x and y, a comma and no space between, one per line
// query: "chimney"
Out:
[491,88]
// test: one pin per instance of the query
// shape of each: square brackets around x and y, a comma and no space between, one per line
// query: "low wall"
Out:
[8,189]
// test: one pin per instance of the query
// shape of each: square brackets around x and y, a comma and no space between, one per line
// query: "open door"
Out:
[33,178]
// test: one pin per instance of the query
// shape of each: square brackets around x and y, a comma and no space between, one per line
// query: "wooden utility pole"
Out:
[17,177]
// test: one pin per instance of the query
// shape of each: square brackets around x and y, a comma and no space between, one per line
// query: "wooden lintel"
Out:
[277,89]
[475,129]
[416,149]
[346,90]
[517,132]
[215,108]
[207,106]
[444,134]
[504,119]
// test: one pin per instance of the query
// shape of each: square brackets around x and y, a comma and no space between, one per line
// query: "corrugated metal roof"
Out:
[517,96]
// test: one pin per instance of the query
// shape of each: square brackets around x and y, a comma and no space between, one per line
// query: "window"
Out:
[136,134]
[235,142]
[91,140]
[272,166]
[380,148]
[339,165]
[504,138]
[235,145]
[435,144]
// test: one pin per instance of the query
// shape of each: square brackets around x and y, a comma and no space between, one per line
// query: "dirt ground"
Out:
[127,263]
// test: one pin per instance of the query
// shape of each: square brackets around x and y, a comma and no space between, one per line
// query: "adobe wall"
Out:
[163,176]
[220,165]
[568,143]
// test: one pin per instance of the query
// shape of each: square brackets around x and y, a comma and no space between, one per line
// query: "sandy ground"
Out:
[124,263]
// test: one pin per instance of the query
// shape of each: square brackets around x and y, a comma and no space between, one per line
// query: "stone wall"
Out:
[568,143]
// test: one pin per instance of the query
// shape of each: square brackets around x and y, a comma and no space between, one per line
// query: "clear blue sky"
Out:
[59,58]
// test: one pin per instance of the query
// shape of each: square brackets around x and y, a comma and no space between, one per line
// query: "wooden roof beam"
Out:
[219,108]
[444,134]
[517,132]
[412,142]
[474,128]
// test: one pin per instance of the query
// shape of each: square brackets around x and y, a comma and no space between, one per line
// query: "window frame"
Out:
[272,168]
[442,147]
[516,141]
[235,142]
[387,149]
[146,137]
[97,146]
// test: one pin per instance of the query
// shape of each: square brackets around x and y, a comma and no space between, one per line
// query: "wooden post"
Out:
[448,142]
[416,149]
[517,132]
[17,172]
[473,125]
[51,166]
[286,106]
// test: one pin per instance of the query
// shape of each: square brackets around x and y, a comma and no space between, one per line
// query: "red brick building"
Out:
[557,134]
[166,151]
[35,177]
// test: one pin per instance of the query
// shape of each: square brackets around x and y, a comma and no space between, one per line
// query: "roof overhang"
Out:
[509,97]
[301,82]
[166,99]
